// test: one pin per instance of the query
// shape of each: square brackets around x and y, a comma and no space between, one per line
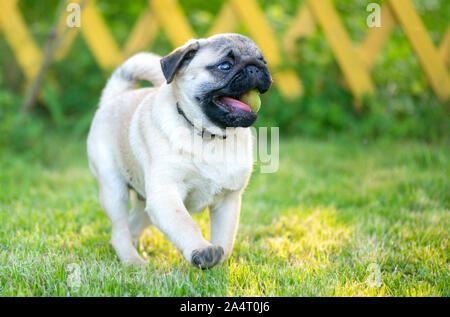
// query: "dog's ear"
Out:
[171,63]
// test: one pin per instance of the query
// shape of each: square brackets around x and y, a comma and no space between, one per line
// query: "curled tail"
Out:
[142,66]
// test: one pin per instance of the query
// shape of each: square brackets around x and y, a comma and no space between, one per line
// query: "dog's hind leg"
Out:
[138,219]
[114,199]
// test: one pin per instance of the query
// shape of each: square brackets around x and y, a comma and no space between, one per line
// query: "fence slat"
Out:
[288,83]
[303,25]
[377,38]
[69,36]
[143,33]
[444,48]
[354,70]
[422,45]
[98,38]
[171,17]
[27,53]
[226,21]
[168,15]
[253,20]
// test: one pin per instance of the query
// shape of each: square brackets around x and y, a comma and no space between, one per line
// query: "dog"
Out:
[145,144]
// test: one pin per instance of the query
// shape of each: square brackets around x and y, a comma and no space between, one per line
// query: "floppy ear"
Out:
[171,63]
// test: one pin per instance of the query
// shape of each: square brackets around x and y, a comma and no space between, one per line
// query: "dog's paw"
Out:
[208,257]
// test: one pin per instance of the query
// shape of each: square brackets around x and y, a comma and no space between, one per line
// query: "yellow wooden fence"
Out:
[355,62]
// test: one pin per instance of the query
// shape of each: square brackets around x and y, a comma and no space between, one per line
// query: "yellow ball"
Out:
[251,98]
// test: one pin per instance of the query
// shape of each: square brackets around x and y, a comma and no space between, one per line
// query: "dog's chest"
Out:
[209,182]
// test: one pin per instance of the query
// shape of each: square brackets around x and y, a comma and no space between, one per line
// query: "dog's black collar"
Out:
[205,134]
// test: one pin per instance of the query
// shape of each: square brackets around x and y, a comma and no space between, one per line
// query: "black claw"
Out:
[208,256]
[219,252]
[196,258]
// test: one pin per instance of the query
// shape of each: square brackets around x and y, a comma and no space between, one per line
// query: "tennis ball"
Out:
[251,98]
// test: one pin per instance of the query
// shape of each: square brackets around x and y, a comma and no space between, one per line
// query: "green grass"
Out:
[339,218]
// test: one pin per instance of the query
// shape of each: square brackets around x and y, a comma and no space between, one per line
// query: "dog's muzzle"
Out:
[251,76]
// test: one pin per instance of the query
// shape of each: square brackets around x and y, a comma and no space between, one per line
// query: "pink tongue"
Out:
[235,103]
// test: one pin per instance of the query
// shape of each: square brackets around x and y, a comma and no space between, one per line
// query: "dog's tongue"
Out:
[235,103]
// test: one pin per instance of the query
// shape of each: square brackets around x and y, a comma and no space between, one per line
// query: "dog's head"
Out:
[210,75]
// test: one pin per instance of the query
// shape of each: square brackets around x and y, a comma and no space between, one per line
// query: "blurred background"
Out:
[358,207]
[403,104]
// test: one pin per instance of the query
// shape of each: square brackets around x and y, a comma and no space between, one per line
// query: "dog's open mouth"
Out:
[231,104]
[248,101]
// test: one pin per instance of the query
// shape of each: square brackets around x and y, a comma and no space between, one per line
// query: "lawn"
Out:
[340,218]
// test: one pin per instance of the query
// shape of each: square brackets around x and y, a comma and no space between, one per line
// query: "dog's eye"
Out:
[224,66]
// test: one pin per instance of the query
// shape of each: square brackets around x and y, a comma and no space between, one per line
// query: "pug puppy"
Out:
[163,146]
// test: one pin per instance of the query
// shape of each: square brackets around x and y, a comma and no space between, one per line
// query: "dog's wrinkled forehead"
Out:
[241,45]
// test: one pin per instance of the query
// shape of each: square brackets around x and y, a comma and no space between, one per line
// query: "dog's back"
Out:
[118,102]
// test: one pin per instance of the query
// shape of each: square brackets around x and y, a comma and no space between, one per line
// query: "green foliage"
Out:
[16,131]
[398,117]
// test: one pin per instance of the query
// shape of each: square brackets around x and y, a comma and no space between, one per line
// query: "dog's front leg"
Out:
[224,221]
[168,213]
